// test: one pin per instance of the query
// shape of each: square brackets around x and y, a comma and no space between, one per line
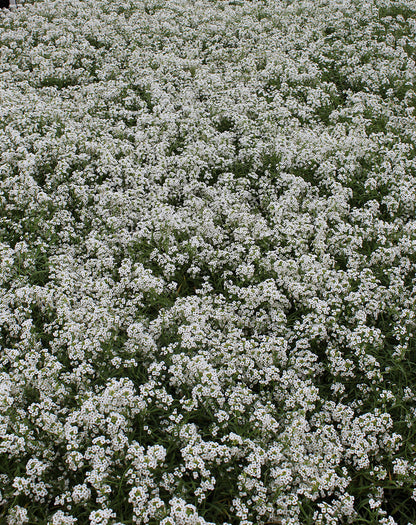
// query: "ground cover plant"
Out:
[207,262]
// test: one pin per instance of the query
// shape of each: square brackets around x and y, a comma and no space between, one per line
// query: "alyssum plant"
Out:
[207,262]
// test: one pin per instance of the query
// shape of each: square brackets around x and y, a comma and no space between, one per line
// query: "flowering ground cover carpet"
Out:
[207,262]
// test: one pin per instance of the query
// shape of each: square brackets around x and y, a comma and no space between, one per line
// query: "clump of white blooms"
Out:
[207,262]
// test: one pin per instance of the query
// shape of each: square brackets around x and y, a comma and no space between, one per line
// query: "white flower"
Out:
[80,493]
[17,516]
[401,467]
[101,517]
[61,518]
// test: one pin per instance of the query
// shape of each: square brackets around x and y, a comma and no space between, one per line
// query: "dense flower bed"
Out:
[207,262]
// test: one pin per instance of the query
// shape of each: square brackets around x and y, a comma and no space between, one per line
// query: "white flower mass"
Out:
[208,262]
